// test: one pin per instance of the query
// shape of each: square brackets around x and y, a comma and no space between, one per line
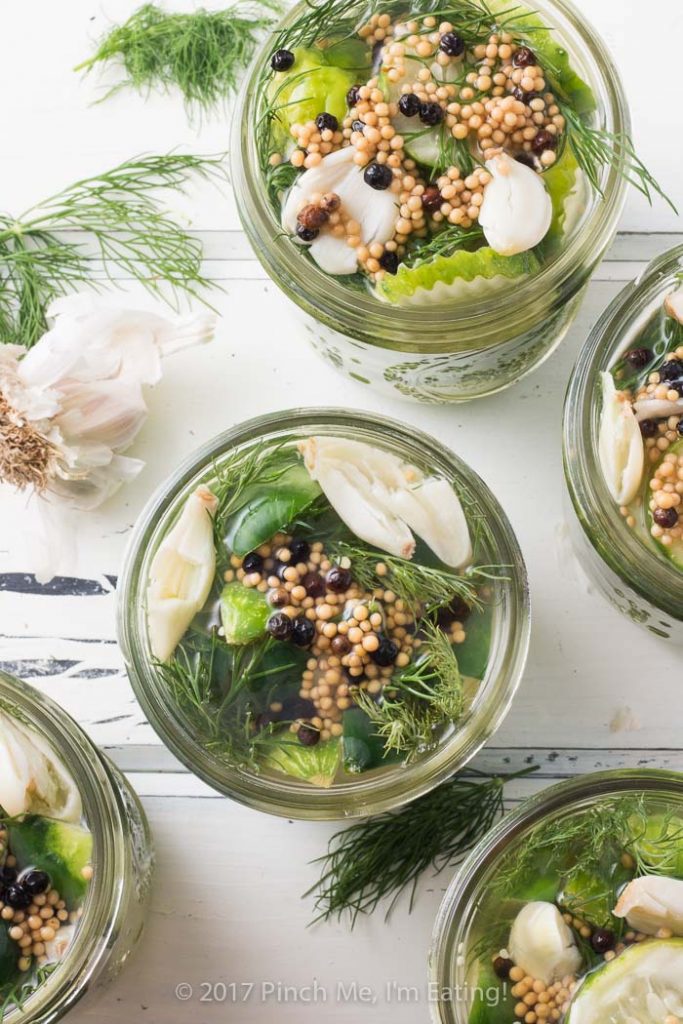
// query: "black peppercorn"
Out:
[352,96]
[665,517]
[602,940]
[314,584]
[378,176]
[17,897]
[252,562]
[679,426]
[409,105]
[452,44]
[306,234]
[326,122]
[431,113]
[671,370]
[648,428]
[389,261]
[526,159]
[431,199]
[282,60]
[543,140]
[338,579]
[36,882]
[308,735]
[524,57]
[386,653]
[340,645]
[303,632]
[639,358]
[357,126]
[279,626]
[300,549]
[502,967]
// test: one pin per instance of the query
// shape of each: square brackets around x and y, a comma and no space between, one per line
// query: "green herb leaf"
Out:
[201,53]
[380,857]
[120,211]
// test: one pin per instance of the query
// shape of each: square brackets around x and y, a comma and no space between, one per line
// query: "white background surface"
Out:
[597,691]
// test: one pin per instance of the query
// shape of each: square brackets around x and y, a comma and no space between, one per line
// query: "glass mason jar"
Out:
[624,567]
[114,909]
[368,794]
[439,354]
[456,923]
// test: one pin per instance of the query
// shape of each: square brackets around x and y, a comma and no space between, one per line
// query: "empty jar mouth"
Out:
[410,329]
[391,787]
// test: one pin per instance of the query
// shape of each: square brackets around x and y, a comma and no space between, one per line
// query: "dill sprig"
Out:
[121,211]
[596,148]
[15,996]
[420,586]
[444,243]
[263,463]
[202,53]
[381,857]
[429,695]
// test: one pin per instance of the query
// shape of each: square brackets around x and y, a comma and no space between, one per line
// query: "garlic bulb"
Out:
[375,211]
[181,574]
[32,778]
[620,444]
[673,304]
[516,212]
[542,944]
[652,902]
[74,402]
[383,499]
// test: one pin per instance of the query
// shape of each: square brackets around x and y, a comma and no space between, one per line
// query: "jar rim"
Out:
[288,797]
[336,304]
[644,570]
[563,797]
[103,815]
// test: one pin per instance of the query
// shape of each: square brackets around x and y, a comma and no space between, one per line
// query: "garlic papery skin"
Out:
[32,778]
[542,944]
[384,500]
[375,211]
[181,574]
[657,408]
[673,304]
[652,902]
[516,211]
[620,443]
[72,404]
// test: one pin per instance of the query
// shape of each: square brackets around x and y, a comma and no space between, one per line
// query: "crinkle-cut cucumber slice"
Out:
[462,277]
[317,764]
[563,184]
[643,984]
[674,552]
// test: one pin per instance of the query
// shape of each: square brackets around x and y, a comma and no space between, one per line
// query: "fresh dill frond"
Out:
[263,463]
[202,52]
[15,996]
[422,587]
[381,857]
[120,211]
[429,696]
[446,242]
[596,148]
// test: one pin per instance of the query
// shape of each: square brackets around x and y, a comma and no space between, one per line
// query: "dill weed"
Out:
[381,857]
[201,53]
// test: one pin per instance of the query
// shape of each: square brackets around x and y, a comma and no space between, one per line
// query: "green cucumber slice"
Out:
[562,183]
[244,613]
[473,654]
[313,85]
[488,1010]
[674,552]
[458,278]
[362,748]
[270,509]
[57,847]
[591,896]
[317,765]
[644,984]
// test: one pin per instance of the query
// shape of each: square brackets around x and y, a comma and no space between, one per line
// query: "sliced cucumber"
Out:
[362,748]
[318,764]
[563,184]
[57,847]
[269,509]
[464,276]
[674,552]
[312,85]
[643,984]
[492,1002]
[473,654]
[244,613]
[591,896]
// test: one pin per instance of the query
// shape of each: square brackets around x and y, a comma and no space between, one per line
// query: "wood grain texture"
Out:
[597,692]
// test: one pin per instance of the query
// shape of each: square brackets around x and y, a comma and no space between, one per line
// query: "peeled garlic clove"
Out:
[181,574]
[542,944]
[652,902]
[657,408]
[620,444]
[375,211]
[55,949]
[673,304]
[516,212]
[32,779]
[433,511]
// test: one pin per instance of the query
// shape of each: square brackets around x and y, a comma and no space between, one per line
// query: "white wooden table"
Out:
[597,692]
